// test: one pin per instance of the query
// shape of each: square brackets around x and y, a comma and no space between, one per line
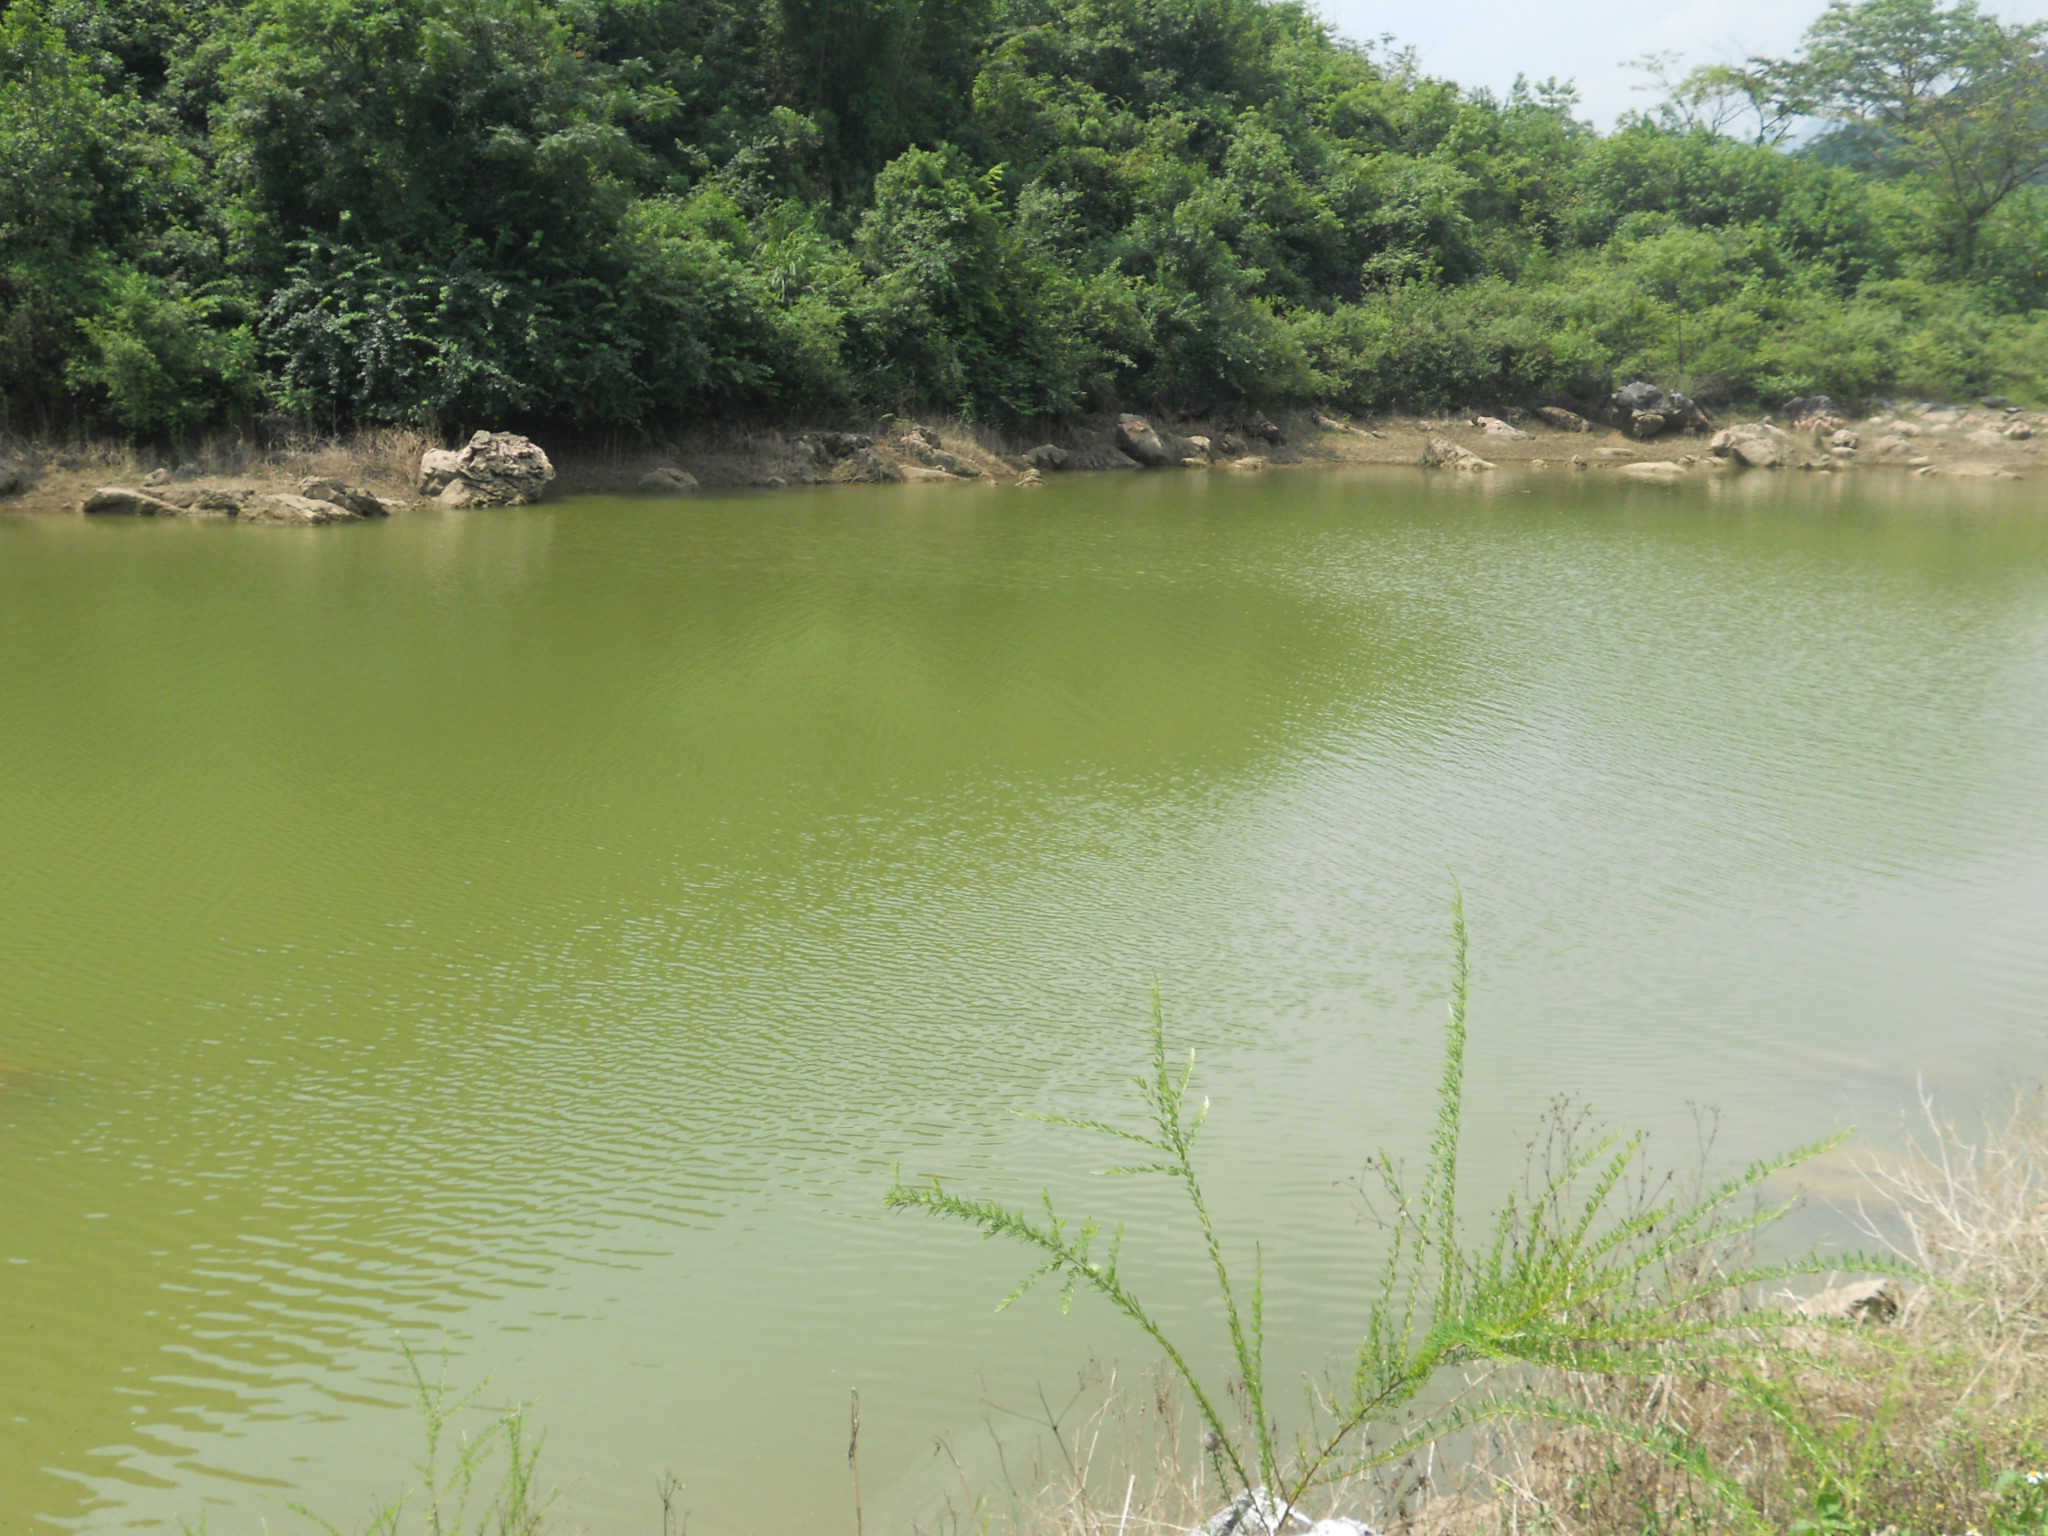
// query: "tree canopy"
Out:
[623,212]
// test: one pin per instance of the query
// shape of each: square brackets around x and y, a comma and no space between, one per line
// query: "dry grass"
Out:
[1923,1426]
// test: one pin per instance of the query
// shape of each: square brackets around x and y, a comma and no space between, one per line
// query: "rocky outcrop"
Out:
[205,500]
[667,481]
[350,498]
[1757,445]
[1442,453]
[1493,426]
[921,446]
[1561,419]
[494,469]
[1047,457]
[301,511]
[1135,436]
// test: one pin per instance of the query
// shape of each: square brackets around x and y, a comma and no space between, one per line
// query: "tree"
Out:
[1945,94]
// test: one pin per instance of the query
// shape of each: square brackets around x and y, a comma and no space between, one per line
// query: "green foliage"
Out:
[1592,1272]
[471,1484]
[610,212]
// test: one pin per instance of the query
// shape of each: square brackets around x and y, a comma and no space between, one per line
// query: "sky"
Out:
[1489,42]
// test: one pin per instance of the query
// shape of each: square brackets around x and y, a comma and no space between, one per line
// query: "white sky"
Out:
[1487,42]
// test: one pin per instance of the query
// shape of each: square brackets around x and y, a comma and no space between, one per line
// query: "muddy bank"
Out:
[1928,439]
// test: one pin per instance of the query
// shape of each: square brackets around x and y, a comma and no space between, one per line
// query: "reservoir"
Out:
[537,937]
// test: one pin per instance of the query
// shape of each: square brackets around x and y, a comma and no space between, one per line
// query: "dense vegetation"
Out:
[618,212]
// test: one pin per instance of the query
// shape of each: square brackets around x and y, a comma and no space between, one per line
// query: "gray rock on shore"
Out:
[1136,437]
[493,469]
[11,479]
[1442,453]
[1756,444]
[122,501]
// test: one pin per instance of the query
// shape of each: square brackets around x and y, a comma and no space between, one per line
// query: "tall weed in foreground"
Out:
[480,1484]
[1590,1271]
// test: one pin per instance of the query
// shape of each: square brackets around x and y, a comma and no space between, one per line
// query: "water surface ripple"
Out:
[537,935]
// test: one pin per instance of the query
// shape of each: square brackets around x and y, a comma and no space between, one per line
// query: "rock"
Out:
[866,466]
[438,466]
[1844,438]
[1229,445]
[1811,405]
[1135,436]
[1030,477]
[840,445]
[1325,423]
[2019,432]
[1641,399]
[1996,403]
[1988,437]
[299,510]
[1046,456]
[1646,424]
[1866,1301]
[1493,426]
[155,478]
[494,469]
[114,499]
[1258,1513]
[1654,469]
[352,498]
[1560,418]
[1250,461]
[921,446]
[10,479]
[1442,453]
[1203,448]
[1578,461]
[667,480]
[1256,425]
[207,500]
[1755,444]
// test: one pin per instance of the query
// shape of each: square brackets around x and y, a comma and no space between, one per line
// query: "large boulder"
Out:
[1046,456]
[132,503]
[493,469]
[1136,437]
[1755,444]
[1642,409]
[1442,453]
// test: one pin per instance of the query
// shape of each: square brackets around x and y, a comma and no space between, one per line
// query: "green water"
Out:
[537,934]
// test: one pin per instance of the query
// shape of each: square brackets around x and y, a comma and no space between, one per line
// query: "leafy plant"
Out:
[1595,1269]
[482,1484]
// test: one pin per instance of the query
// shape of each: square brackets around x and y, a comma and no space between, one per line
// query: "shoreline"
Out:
[1928,440]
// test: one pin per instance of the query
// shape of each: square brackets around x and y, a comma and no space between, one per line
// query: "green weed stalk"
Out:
[1578,1276]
